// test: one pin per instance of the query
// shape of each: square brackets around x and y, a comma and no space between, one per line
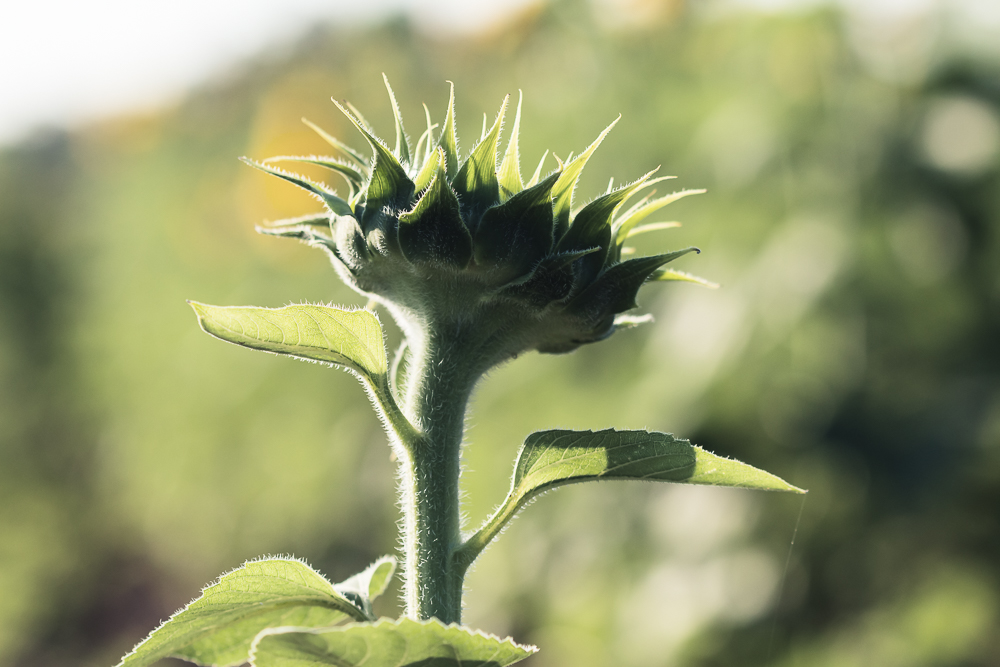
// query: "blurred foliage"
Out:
[852,218]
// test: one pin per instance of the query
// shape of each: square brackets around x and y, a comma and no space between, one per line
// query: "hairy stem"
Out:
[441,378]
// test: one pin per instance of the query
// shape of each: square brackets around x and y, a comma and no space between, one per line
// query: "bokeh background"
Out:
[851,154]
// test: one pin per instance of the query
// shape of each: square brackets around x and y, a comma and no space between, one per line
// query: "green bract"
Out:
[446,244]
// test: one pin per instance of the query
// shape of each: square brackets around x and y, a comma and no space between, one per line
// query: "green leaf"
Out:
[476,181]
[385,643]
[449,139]
[555,458]
[364,587]
[562,193]
[325,195]
[219,626]
[373,581]
[509,174]
[402,149]
[355,156]
[434,231]
[351,338]
[389,184]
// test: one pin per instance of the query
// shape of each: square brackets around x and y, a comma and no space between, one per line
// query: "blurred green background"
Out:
[852,218]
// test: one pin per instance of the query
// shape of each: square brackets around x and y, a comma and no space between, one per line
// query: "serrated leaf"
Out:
[351,338]
[402,149]
[389,185]
[386,643]
[449,139]
[515,235]
[673,274]
[354,155]
[476,181]
[325,195]
[562,193]
[509,174]
[434,231]
[615,289]
[219,626]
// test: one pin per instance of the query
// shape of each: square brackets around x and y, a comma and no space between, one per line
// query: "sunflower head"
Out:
[469,248]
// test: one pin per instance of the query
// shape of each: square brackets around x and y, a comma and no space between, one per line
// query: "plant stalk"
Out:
[440,382]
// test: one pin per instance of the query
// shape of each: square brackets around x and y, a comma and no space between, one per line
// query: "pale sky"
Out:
[64,62]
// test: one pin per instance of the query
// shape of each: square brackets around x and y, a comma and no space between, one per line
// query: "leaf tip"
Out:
[199,308]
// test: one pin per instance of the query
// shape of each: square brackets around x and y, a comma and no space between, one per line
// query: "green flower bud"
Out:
[470,248]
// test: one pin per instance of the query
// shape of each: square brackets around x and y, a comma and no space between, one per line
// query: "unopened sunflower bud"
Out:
[469,247]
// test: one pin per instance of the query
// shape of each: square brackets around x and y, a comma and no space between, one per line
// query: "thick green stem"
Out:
[440,383]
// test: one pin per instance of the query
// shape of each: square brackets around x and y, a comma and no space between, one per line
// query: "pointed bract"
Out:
[551,280]
[355,156]
[402,149]
[325,195]
[509,174]
[355,179]
[433,231]
[315,222]
[449,139]
[425,142]
[514,236]
[430,168]
[652,227]
[358,115]
[592,226]
[624,224]
[666,275]
[562,193]
[614,290]
[389,186]
[538,170]
[476,181]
